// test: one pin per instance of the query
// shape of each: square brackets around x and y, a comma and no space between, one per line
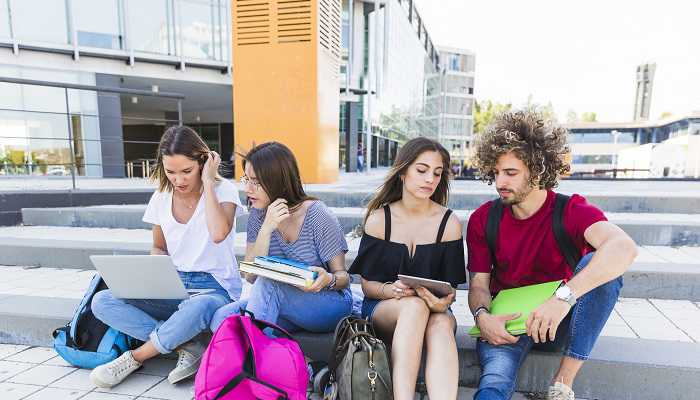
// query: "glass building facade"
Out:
[596,147]
[190,29]
[395,105]
[451,96]
[44,130]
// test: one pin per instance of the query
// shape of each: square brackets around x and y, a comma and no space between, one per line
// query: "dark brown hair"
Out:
[276,169]
[537,142]
[181,140]
[392,188]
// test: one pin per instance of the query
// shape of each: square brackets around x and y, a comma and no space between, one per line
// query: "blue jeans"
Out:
[576,335]
[291,308]
[167,323]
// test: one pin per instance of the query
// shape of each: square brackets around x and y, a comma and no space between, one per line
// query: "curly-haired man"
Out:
[524,156]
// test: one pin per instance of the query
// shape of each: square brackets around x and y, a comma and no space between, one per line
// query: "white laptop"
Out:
[142,277]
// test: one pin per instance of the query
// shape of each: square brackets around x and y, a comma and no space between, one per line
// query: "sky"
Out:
[580,55]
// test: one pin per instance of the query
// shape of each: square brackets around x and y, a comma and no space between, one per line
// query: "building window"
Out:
[600,137]
[4,20]
[455,126]
[97,23]
[154,34]
[345,34]
[201,29]
[40,21]
[458,84]
[592,159]
[458,105]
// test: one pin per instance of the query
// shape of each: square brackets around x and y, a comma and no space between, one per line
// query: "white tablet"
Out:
[438,288]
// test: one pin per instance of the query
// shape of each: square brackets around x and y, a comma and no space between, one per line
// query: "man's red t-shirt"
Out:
[526,249]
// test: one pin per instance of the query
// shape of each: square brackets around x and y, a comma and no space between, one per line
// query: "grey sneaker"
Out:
[112,373]
[560,391]
[188,357]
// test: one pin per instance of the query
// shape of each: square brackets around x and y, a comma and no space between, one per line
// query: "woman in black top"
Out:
[408,230]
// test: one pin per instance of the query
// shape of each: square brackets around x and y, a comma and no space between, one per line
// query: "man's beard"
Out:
[518,195]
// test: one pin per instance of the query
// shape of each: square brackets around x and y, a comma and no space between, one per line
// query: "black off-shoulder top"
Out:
[382,260]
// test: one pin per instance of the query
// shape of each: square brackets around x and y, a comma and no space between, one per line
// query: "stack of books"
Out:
[281,270]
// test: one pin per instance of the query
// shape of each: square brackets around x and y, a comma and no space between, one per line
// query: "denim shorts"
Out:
[368,306]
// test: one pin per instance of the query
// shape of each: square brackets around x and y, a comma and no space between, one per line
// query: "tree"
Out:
[484,113]
[546,110]
[588,117]
[571,117]
[666,114]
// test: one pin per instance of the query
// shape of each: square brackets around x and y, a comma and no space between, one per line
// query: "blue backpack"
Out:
[86,342]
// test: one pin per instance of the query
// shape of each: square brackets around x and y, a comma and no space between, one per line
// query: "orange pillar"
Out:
[286,56]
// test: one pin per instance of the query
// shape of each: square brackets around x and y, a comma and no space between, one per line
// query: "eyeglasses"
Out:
[247,181]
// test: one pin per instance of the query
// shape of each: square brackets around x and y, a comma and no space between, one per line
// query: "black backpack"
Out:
[566,245]
[86,342]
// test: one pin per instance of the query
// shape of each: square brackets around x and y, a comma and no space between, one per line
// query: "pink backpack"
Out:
[243,363]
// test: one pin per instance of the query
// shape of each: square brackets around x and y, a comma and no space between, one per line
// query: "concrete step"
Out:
[624,197]
[646,229]
[658,272]
[612,201]
[639,364]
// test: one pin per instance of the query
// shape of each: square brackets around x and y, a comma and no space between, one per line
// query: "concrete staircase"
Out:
[640,365]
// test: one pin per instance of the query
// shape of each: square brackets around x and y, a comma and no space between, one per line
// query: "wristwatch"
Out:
[564,293]
[478,311]
[334,280]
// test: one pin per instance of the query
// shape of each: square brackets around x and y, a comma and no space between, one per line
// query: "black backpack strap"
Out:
[443,224]
[387,223]
[566,245]
[492,224]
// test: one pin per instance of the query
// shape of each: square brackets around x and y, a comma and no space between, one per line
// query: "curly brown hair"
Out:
[537,142]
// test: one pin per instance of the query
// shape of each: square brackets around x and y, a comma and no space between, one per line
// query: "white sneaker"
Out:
[112,373]
[560,391]
[188,357]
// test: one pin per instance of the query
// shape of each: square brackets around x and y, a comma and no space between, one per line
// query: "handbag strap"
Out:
[338,347]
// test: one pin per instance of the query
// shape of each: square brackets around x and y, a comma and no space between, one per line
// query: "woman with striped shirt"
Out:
[287,223]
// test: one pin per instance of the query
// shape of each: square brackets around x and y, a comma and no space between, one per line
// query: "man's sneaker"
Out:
[112,373]
[560,391]
[188,357]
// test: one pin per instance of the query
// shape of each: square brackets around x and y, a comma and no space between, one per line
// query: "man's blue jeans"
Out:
[290,307]
[576,335]
[167,323]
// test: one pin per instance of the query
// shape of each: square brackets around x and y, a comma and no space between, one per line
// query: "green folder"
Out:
[522,300]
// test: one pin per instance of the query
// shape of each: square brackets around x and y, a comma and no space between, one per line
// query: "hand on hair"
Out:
[211,167]
[276,212]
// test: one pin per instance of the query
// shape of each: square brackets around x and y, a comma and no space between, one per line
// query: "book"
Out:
[523,300]
[286,266]
[281,270]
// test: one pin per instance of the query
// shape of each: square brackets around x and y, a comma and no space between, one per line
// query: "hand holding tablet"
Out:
[438,288]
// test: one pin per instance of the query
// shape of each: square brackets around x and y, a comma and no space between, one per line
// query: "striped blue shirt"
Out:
[320,237]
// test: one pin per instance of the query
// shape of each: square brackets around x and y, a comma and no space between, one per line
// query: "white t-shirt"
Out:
[190,246]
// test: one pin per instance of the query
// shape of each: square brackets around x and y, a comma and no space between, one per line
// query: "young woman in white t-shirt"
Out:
[193,216]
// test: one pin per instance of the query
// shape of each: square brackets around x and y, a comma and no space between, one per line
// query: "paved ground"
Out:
[38,373]
[369,182]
